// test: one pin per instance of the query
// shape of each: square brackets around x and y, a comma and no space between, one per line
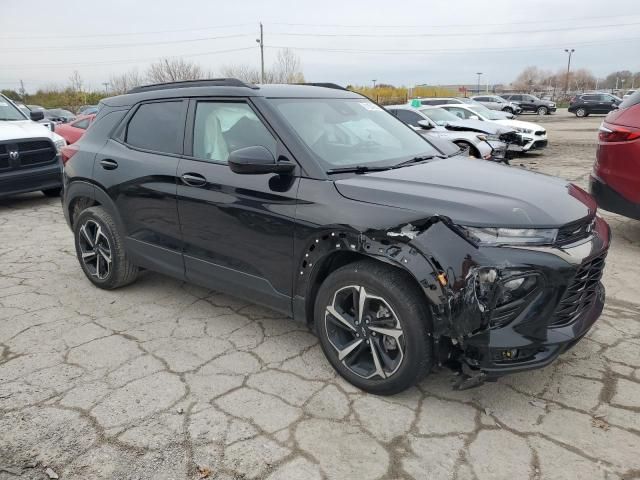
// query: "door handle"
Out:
[109,164]
[193,180]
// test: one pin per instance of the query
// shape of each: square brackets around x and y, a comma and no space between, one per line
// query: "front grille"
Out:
[540,132]
[580,294]
[572,232]
[31,152]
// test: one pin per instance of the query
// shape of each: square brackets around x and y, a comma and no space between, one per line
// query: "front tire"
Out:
[374,325]
[542,111]
[508,110]
[581,112]
[100,250]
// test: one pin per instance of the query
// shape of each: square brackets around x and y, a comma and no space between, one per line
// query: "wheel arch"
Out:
[335,249]
[80,195]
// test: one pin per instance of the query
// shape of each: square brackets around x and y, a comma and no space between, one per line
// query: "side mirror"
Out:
[36,115]
[474,117]
[257,161]
[425,125]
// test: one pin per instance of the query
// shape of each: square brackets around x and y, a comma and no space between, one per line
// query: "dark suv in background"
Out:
[318,203]
[531,103]
[588,103]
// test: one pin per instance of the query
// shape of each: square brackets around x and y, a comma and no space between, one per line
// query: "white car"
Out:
[628,94]
[29,153]
[533,135]
[478,144]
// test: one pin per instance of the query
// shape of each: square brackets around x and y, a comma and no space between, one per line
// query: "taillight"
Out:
[617,133]
[67,152]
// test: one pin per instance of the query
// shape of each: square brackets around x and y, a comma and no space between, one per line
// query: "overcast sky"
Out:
[344,41]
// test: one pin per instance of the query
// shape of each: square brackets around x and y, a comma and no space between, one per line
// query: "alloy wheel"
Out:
[95,249]
[365,332]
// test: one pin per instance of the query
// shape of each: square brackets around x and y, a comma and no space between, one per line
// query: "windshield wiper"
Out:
[417,159]
[357,169]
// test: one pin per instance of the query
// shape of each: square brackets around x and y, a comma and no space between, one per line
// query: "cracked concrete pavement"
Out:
[166,380]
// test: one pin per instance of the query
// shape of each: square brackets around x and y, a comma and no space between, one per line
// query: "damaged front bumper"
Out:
[490,334]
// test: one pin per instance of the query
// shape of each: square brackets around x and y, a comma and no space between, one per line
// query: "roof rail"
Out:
[323,84]
[212,82]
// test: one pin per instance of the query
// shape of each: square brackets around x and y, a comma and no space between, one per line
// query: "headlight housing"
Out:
[60,144]
[511,236]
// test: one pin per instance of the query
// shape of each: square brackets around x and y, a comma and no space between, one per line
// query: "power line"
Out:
[124,62]
[452,50]
[124,34]
[441,25]
[122,45]
[456,34]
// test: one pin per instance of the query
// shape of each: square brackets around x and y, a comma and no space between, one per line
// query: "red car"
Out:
[74,130]
[615,180]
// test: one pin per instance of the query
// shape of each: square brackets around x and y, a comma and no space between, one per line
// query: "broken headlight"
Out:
[511,236]
[506,294]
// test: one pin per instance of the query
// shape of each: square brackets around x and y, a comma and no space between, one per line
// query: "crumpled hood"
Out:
[471,192]
[520,124]
[19,129]
[489,128]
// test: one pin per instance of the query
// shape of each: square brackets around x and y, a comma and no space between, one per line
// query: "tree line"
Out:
[534,79]
[286,68]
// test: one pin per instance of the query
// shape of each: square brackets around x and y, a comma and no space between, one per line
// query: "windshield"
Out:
[439,116]
[350,132]
[486,113]
[8,111]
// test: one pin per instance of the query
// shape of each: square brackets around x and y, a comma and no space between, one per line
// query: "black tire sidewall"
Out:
[411,313]
[95,215]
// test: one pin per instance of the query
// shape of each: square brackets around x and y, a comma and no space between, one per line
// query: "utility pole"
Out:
[23,92]
[374,83]
[479,74]
[260,41]
[106,87]
[566,84]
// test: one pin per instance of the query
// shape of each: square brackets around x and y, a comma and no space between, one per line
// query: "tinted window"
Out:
[157,126]
[483,99]
[222,127]
[409,117]
[632,100]
[591,98]
[516,97]
[83,124]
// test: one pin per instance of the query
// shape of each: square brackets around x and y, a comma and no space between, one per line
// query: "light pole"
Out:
[479,75]
[566,84]
[260,41]
[374,83]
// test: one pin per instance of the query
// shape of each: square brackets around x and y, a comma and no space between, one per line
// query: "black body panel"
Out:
[273,238]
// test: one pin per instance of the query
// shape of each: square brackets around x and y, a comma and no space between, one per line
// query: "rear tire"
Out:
[52,192]
[385,348]
[100,250]
[581,113]
[542,111]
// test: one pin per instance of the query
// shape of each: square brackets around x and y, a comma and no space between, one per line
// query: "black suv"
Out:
[318,203]
[531,103]
[588,103]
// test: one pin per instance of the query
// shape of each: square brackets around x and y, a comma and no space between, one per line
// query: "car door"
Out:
[137,170]
[607,103]
[238,230]
[591,103]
